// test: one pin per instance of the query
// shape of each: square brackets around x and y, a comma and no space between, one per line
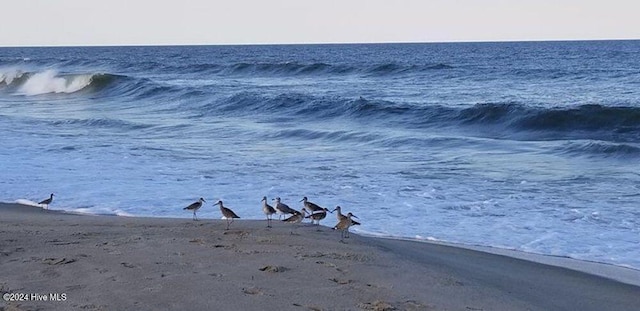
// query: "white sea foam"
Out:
[49,81]
[27,202]
[8,75]
[99,211]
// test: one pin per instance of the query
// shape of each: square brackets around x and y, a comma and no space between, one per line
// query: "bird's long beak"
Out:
[352,215]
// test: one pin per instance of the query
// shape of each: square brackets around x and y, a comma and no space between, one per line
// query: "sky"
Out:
[171,22]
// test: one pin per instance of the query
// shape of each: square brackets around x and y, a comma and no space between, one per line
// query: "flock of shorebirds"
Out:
[314,211]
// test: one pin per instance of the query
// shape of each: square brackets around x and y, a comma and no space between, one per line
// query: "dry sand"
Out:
[132,263]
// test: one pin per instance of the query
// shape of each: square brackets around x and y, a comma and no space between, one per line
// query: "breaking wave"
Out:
[51,81]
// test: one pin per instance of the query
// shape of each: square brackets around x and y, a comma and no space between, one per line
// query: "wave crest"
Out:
[601,148]
[7,77]
[582,118]
[515,120]
[51,81]
[284,69]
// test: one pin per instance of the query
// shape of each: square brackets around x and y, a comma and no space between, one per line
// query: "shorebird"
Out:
[296,218]
[343,225]
[320,215]
[195,207]
[47,201]
[283,209]
[340,216]
[227,213]
[268,210]
[310,207]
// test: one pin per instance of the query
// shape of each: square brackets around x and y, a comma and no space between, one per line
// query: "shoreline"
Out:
[627,275]
[624,274]
[95,260]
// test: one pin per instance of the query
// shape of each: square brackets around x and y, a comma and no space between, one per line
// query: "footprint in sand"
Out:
[127,265]
[59,242]
[253,291]
[58,261]
[341,281]
[273,269]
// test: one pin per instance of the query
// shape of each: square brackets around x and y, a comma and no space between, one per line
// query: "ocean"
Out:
[530,146]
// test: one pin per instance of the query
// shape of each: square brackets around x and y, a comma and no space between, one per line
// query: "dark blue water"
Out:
[531,146]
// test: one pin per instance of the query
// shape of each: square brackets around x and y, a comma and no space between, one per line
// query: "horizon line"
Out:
[316,43]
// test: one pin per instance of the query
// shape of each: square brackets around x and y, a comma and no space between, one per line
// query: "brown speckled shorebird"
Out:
[310,206]
[319,215]
[283,209]
[343,225]
[340,216]
[296,218]
[227,213]
[47,201]
[195,207]
[268,210]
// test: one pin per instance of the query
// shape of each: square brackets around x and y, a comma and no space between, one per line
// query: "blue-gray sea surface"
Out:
[533,146]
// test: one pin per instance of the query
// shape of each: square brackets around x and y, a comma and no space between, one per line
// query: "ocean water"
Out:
[532,146]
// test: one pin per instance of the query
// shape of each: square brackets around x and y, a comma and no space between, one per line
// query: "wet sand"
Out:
[122,263]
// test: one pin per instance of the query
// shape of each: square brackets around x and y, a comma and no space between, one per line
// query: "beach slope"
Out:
[83,262]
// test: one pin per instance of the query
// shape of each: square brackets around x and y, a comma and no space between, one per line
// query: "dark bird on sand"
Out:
[195,207]
[227,213]
[284,209]
[320,215]
[47,201]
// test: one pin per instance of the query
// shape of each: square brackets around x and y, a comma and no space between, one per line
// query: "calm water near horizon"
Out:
[532,146]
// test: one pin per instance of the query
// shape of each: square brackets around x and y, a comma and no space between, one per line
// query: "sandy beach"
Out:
[84,262]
